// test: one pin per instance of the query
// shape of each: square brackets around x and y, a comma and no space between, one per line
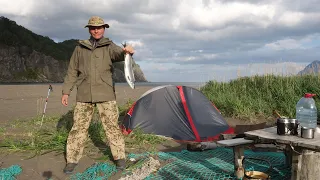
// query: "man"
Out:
[90,70]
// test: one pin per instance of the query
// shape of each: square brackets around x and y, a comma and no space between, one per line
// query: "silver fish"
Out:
[128,69]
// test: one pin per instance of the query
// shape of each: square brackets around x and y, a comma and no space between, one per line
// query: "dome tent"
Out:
[180,112]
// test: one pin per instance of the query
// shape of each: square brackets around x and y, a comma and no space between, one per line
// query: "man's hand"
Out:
[128,49]
[64,99]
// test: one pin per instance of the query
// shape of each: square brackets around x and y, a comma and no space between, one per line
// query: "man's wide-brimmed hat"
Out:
[96,21]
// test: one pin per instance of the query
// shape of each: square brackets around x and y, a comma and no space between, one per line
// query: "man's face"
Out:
[96,31]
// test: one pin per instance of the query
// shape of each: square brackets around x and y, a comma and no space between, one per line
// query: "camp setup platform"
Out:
[303,154]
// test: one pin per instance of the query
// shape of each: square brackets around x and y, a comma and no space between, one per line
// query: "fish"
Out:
[128,69]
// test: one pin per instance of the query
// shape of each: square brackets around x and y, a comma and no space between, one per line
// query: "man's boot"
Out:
[120,164]
[69,168]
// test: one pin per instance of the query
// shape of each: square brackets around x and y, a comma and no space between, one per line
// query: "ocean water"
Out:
[153,84]
[192,84]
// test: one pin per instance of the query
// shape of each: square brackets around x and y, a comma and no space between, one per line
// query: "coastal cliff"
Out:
[28,57]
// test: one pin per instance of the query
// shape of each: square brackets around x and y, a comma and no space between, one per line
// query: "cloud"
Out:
[20,8]
[178,35]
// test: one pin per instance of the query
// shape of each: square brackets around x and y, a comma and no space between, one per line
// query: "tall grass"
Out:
[258,96]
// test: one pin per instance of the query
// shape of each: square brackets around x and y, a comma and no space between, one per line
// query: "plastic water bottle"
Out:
[306,111]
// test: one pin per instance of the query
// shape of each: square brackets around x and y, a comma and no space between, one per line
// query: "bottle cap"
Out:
[309,95]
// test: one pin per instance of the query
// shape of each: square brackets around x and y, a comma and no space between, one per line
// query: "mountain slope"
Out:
[312,68]
[29,57]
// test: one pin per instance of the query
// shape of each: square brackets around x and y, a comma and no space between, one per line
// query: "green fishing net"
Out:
[10,173]
[99,171]
[210,164]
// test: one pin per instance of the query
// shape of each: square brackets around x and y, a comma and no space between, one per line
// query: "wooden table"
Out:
[303,154]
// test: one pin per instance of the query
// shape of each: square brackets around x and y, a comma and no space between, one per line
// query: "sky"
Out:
[189,40]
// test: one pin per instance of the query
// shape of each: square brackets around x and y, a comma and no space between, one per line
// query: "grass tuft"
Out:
[26,135]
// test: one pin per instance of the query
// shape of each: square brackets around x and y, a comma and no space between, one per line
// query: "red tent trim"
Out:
[215,107]
[124,130]
[131,109]
[186,109]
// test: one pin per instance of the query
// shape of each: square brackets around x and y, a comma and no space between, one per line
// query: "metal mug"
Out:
[307,133]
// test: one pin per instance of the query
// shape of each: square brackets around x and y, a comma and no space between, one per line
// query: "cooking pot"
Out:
[286,126]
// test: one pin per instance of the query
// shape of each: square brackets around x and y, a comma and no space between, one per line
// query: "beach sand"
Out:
[27,101]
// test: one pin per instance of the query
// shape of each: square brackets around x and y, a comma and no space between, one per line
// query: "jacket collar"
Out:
[102,42]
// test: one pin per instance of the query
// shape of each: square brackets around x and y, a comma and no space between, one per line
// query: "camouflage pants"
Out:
[83,112]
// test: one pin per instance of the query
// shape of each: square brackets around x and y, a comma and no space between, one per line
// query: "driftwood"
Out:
[239,130]
[148,166]
[238,149]
[234,142]
[311,162]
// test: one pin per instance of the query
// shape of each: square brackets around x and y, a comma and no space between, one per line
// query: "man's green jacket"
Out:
[90,70]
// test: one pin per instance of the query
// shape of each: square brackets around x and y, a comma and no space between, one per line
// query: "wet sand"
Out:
[27,101]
